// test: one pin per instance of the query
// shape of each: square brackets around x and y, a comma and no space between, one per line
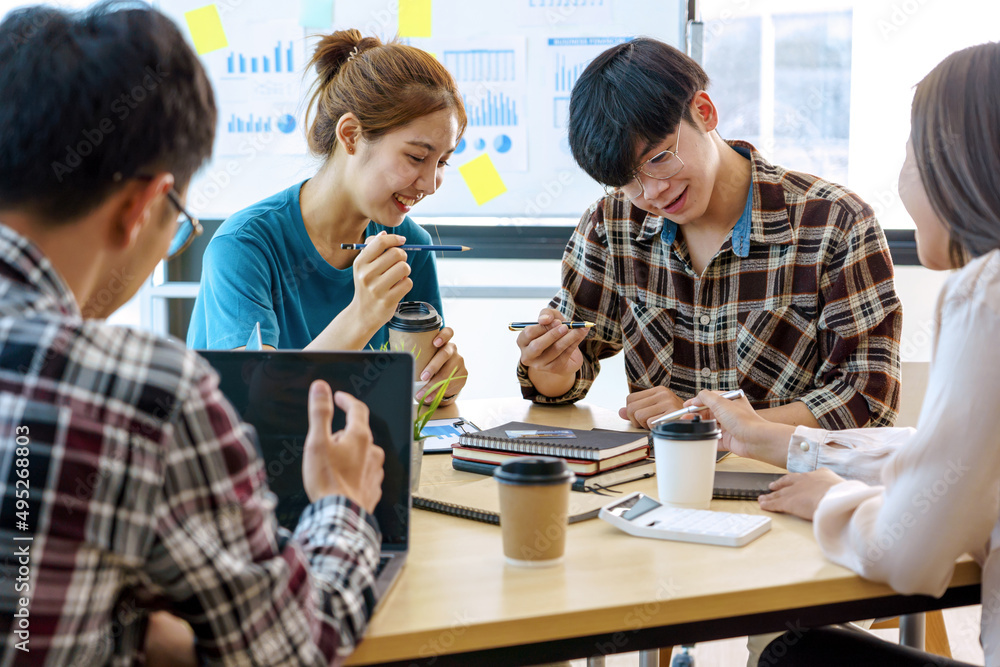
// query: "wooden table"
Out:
[458,603]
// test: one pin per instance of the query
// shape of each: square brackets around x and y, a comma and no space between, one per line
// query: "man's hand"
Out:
[347,462]
[799,493]
[550,345]
[551,351]
[744,432]
[641,406]
[444,361]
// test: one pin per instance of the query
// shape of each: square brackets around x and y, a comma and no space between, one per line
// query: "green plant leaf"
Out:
[441,387]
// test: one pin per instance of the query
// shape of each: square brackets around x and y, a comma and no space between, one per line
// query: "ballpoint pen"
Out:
[362,246]
[736,393]
[518,326]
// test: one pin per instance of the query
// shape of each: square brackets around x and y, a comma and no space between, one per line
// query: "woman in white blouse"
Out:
[900,505]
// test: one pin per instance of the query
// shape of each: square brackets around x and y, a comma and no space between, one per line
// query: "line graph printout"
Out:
[491,77]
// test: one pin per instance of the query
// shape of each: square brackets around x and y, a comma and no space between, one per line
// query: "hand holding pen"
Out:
[691,409]
[744,431]
[551,351]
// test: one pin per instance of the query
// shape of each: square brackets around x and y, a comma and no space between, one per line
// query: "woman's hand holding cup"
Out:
[442,364]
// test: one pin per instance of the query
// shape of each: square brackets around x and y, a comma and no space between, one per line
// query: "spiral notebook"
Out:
[480,501]
[583,445]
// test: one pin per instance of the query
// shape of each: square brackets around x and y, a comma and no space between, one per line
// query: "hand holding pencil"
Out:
[381,280]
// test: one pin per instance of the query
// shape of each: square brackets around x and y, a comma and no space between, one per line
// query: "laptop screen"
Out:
[270,389]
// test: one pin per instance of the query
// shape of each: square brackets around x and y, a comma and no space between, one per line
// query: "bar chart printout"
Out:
[258,81]
[566,59]
[491,77]
[282,59]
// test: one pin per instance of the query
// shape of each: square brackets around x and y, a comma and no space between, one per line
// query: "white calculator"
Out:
[640,515]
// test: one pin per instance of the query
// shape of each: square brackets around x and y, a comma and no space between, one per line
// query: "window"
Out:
[825,86]
[782,81]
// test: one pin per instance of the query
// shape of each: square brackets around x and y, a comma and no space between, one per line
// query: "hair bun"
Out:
[335,50]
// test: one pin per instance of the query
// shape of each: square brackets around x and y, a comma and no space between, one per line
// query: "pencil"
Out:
[518,326]
[362,246]
[731,395]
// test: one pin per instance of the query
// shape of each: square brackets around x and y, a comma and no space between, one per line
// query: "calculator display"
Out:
[635,506]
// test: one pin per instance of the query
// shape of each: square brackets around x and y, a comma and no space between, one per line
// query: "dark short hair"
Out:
[632,95]
[955,130]
[89,99]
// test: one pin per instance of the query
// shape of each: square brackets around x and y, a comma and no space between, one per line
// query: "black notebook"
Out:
[586,445]
[742,485]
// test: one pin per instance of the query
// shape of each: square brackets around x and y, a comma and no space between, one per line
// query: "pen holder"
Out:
[416,463]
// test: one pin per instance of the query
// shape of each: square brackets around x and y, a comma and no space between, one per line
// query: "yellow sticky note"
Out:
[483,179]
[414,18]
[206,29]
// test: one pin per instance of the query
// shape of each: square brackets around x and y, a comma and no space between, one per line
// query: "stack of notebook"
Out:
[586,452]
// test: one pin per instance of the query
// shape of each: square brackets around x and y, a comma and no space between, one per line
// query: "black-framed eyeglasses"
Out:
[663,165]
[188,226]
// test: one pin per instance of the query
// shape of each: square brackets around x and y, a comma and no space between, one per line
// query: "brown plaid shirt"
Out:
[798,304]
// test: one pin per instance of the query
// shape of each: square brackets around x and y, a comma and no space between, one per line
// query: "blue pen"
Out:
[362,246]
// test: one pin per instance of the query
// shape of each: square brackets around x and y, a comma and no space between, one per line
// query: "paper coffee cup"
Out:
[413,329]
[534,506]
[685,451]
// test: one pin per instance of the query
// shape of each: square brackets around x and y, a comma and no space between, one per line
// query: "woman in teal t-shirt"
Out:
[387,116]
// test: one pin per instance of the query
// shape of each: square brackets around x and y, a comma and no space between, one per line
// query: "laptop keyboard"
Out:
[382,562]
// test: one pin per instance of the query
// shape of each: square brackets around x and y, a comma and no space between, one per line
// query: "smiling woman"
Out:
[385,118]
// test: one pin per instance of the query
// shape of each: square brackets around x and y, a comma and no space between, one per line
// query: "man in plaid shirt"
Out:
[128,482]
[710,267]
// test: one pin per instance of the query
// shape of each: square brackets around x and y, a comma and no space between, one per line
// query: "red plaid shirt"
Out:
[143,487]
[798,304]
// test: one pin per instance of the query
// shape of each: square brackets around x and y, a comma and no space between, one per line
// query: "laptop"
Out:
[269,389]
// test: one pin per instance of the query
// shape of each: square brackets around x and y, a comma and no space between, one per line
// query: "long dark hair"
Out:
[955,130]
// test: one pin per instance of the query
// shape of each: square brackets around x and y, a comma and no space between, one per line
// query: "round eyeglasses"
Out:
[663,165]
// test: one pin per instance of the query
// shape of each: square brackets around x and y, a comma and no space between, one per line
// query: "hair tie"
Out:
[354,52]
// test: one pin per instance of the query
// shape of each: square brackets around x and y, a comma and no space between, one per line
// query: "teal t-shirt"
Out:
[261,266]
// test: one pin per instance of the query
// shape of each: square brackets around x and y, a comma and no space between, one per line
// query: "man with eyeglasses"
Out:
[127,482]
[709,267]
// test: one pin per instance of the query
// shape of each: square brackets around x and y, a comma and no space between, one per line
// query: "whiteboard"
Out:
[515,61]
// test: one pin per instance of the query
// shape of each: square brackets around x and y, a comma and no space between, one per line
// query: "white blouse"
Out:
[920,498]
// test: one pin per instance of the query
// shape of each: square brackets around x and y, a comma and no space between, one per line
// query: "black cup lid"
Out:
[415,316]
[688,429]
[534,470]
